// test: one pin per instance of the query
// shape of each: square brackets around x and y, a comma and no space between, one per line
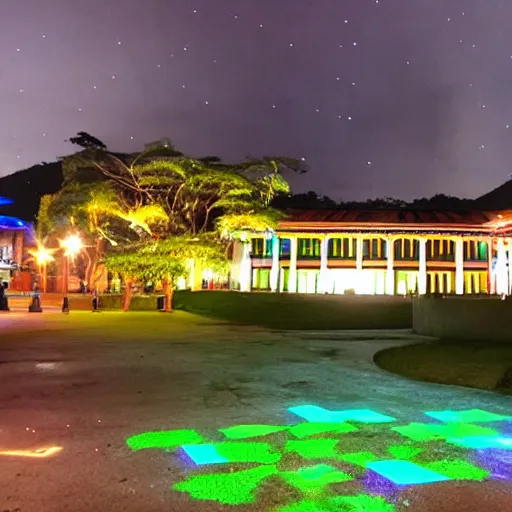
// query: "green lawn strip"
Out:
[296,311]
[470,364]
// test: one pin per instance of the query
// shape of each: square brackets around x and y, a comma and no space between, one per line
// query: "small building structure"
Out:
[15,240]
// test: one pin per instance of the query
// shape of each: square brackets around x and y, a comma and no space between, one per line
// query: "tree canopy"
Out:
[147,214]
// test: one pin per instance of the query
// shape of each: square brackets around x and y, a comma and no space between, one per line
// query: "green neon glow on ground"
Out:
[359,458]
[227,488]
[166,439]
[470,416]
[458,470]
[310,429]
[261,453]
[431,432]
[249,431]
[404,451]
[360,503]
[311,462]
[314,479]
[314,448]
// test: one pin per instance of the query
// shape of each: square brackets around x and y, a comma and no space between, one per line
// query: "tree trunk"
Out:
[168,294]
[128,292]
[92,274]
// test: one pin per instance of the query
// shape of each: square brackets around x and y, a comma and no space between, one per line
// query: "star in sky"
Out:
[383,97]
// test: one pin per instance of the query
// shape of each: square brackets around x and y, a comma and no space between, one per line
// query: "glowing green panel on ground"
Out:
[404,451]
[402,472]
[457,469]
[306,506]
[262,453]
[310,429]
[227,488]
[358,458]
[314,448]
[250,431]
[483,442]
[317,414]
[469,416]
[315,478]
[431,432]
[166,439]
[361,503]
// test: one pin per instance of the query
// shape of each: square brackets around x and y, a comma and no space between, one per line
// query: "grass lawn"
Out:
[475,365]
[299,312]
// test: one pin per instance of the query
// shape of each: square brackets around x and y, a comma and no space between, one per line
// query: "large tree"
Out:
[150,213]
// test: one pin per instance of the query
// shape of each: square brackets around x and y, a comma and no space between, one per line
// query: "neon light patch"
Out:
[249,431]
[310,429]
[402,472]
[220,453]
[204,454]
[431,432]
[317,414]
[166,439]
[483,442]
[312,478]
[468,416]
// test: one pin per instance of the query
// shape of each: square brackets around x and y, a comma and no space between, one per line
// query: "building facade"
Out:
[383,252]
[14,241]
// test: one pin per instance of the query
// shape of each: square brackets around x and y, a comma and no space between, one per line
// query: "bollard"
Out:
[35,306]
[95,304]
[4,303]
[65,305]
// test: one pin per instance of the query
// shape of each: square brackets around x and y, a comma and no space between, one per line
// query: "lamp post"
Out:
[42,256]
[71,245]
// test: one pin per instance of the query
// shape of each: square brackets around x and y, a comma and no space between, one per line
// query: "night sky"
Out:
[402,98]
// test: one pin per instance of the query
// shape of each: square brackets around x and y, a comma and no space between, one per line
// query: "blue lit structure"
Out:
[5,200]
[12,223]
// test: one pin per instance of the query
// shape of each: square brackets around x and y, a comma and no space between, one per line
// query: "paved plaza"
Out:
[158,412]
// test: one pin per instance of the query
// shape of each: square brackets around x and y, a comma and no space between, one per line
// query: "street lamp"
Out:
[71,245]
[42,256]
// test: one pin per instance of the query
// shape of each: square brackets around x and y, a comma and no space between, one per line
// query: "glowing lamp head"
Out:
[42,255]
[72,245]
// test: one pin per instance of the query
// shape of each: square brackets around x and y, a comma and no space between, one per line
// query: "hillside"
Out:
[26,187]
[499,198]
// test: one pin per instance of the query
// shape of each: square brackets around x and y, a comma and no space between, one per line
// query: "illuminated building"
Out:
[14,241]
[379,252]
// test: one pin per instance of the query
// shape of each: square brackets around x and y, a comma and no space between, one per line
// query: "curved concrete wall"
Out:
[463,318]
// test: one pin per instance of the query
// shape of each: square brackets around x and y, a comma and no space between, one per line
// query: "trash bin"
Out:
[160,302]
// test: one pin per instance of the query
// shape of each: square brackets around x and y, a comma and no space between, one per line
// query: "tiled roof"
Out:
[384,216]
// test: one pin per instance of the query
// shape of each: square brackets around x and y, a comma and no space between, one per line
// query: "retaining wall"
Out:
[464,318]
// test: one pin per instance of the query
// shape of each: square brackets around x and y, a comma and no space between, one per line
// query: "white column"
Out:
[245,277]
[324,269]
[490,255]
[422,275]
[390,273]
[274,271]
[501,269]
[509,260]
[359,265]
[292,276]
[459,266]
[359,253]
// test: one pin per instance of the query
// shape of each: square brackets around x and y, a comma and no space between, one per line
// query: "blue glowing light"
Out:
[402,472]
[468,416]
[203,454]
[317,414]
[5,200]
[483,442]
[12,223]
